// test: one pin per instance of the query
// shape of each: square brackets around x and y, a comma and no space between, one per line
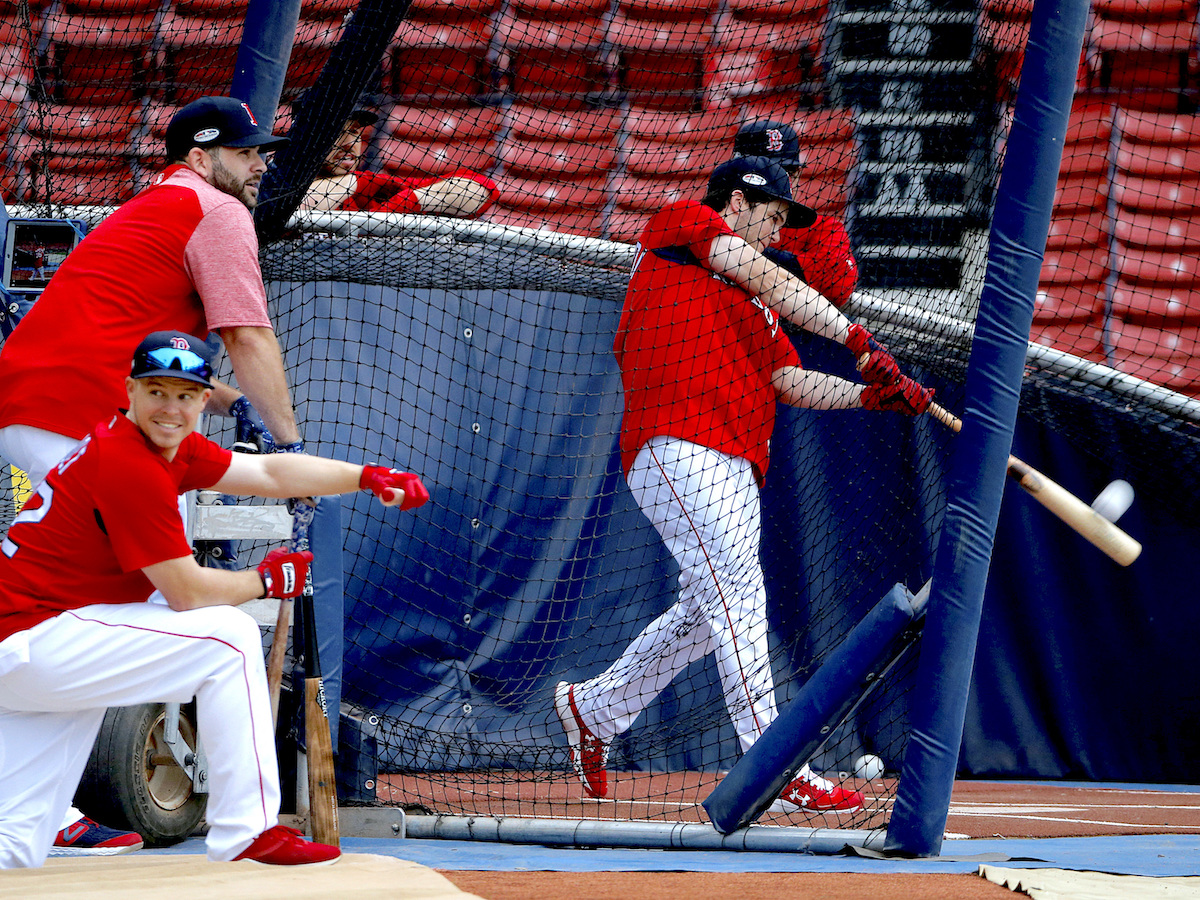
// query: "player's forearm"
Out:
[283,475]
[222,396]
[807,389]
[186,585]
[783,293]
[452,197]
[258,365]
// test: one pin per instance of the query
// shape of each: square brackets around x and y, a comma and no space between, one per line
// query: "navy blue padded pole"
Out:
[262,57]
[765,769]
[993,390]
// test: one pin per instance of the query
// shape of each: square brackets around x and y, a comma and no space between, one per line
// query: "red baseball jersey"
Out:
[377,192]
[181,255]
[102,515]
[696,351]
[824,253]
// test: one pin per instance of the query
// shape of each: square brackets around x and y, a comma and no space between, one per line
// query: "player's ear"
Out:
[199,161]
[130,383]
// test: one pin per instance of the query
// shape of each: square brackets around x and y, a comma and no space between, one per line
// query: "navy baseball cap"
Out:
[759,178]
[173,354]
[774,140]
[217,122]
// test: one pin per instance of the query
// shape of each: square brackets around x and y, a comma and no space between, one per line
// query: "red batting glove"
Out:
[283,572]
[384,483]
[879,368]
[905,396]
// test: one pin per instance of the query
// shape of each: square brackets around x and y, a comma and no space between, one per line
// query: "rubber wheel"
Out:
[131,781]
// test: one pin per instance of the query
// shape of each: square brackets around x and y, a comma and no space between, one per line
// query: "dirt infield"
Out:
[978,809]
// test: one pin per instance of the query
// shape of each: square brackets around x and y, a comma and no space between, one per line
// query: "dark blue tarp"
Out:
[531,564]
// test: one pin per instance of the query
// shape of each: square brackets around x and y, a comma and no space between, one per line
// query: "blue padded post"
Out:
[993,390]
[758,777]
[263,55]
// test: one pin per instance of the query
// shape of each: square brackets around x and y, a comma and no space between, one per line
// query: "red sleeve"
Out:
[684,224]
[405,201]
[205,463]
[825,255]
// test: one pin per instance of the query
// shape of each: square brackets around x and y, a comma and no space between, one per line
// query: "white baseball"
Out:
[868,767]
[1114,500]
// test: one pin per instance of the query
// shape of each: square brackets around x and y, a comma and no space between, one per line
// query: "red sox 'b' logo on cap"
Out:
[180,343]
[250,113]
[774,140]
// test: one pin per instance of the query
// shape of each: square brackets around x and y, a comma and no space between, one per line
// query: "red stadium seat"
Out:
[1152,195]
[826,192]
[661,61]
[1137,59]
[214,8]
[99,59]
[777,10]
[1139,265]
[536,123]
[433,9]
[552,61]
[1065,303]
[1162,162]
[99,184]
[1163,307]
[1157,129]
[1085,266]
[445,123]
[315,39]
[1084,229]
[649,195]
[626,225]
[412,157]
[112,7]
[1163,356]
[1145,10]
[1084,339]
[443,57]
[1137,229]
[544,195]
[667,159]
[1085,192]
[709,126]
[556,159]
[585,223]
[109,128]
[201,54]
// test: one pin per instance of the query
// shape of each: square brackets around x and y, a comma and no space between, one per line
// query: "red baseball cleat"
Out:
[283,846]
[588,753]
[88,837]
[809,791]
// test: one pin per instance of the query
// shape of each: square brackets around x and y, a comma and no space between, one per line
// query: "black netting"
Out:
[587,116]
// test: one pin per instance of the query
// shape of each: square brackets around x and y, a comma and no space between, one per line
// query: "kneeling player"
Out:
[102,604]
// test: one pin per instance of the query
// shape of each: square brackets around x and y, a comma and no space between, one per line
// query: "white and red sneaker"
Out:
[589,754]
[283,846]
[809,791]
[87,837]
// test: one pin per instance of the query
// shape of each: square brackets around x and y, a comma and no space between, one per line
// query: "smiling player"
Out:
[102,604]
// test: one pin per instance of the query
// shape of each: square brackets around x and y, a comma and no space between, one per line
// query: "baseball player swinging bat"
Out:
[1111,540]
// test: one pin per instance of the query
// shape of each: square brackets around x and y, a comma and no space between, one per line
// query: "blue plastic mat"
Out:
[1153,854]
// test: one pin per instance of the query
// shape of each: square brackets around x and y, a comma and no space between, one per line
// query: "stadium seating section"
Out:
[592,113]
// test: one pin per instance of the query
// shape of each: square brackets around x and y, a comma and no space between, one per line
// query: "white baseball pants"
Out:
[58,678]
[705,505]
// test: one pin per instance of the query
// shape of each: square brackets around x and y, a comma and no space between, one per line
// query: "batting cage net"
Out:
[476,347]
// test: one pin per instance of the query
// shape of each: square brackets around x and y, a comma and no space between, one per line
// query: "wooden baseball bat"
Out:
[1111,540]
[322,777]
[276,656]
